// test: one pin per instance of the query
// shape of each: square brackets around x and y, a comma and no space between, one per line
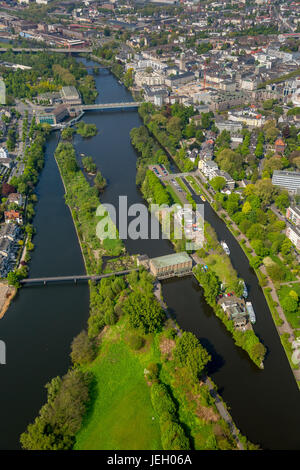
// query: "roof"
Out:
[279,142]
[69,92]
[169,260]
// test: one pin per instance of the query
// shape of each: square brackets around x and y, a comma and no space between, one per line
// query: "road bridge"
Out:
[108,106]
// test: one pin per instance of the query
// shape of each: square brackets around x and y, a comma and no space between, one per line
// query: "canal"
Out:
[41,322]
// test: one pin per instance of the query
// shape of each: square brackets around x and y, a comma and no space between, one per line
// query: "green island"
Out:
[86,130]
[221,277]
[164,380]
[160,400]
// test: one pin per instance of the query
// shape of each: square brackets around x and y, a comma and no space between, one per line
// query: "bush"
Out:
[83,349]
[153,371]
[173,437]
[135,341]
[161,400]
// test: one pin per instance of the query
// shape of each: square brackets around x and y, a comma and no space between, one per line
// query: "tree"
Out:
[265,190]
[190,353]
[13,279]
[282,201]
[144,312]
[232,203]
[218,183]
[289,304]
[100,181]
[89,165]
[67,133]
[83,349]
[246,207]
[61,417]
[276,272]
[7,189]
[258,352]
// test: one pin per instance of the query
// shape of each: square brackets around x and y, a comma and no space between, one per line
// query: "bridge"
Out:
[108,106]
[63,50]
[79,277]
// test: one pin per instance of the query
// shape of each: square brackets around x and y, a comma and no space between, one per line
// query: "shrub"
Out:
[173,437]
[83,349]
[161,400]
[135,341]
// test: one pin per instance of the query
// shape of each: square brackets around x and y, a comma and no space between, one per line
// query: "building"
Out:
[2,92]
[13,216]
[9,231]
[53,116]
[229,126]
[289,180]
[15,198]
[293,233]
[209,168]
[279,146]
[293,214]
[5,246]
[235,310]
[180,79]
[70,95]
[177,264]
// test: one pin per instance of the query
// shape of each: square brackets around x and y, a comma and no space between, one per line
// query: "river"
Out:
[41,321]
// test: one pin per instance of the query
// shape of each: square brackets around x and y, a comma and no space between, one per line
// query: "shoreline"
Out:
[9,296]
[65,189]
[209,200]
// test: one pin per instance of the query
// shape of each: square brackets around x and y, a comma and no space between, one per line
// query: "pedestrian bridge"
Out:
[80,277]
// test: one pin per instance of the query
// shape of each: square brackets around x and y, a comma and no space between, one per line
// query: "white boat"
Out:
[245,291]
[225,247]
[250,312]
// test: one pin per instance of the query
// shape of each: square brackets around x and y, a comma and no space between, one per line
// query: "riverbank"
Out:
[211,439]
[7,293]
[229,223]
[49,317]
[278,318]
[156,191]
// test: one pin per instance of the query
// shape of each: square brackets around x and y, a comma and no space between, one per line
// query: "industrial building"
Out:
[177,264]
[70,95]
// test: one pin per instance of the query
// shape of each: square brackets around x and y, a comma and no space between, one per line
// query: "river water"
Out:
[41,321]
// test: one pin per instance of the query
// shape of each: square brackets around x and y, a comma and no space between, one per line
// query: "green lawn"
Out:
[121,412]
[194,184]
[175,198]
[222,267]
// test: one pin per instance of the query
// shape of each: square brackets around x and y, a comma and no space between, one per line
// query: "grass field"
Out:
[121,413]
[194,184]
[175,198]
[222,267]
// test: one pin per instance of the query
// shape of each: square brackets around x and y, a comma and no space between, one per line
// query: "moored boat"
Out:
[250,312]
[225,247]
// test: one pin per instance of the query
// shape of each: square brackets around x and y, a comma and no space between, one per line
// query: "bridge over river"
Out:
[75,278]
[108,106]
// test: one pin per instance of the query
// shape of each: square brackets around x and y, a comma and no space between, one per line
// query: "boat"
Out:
[225,247]
[203,198]
[245,291]
[250,312]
